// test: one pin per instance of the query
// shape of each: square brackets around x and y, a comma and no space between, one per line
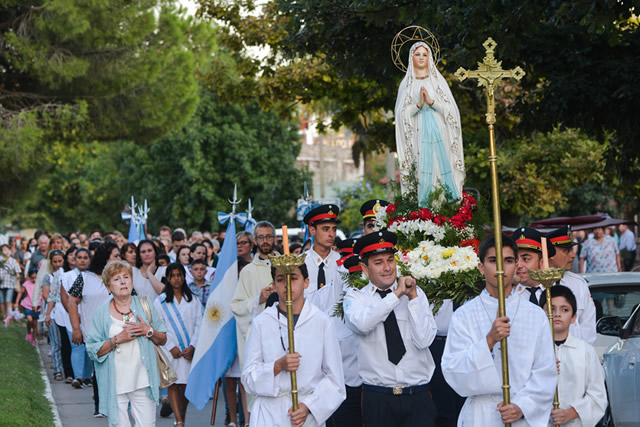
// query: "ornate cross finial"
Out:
[249,209]
[489,74]
[235,200]
[306,196]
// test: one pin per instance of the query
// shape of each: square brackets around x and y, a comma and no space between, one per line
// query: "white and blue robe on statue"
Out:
[429,138]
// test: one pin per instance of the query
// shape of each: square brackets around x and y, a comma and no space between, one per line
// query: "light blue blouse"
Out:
[105,365]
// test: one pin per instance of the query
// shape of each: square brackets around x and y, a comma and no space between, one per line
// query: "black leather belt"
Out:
[397,391]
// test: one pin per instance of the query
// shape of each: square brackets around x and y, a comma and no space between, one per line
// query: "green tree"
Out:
[579,58]
[186,177]
[79,70]
[536,174]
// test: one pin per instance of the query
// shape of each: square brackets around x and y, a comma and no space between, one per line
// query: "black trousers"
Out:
[388,410]
[349,414]
[448,402]
[65,350]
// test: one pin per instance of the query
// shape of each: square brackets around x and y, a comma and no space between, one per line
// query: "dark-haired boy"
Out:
[317,360]
[581,391]
[321,259]
[199,285]
[584,327]
[472,363]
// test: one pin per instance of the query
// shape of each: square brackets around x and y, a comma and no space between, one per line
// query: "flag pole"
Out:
[215,401]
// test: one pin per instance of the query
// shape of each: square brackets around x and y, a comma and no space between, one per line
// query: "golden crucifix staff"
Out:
[489,74]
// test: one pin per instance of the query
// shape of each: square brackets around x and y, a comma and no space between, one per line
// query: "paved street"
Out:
[75,406]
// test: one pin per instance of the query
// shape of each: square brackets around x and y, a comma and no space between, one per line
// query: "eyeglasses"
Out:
[268,237]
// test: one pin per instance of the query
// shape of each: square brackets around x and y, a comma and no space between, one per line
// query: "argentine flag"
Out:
[217,343]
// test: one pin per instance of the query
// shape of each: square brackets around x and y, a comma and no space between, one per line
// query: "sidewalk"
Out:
[75,406]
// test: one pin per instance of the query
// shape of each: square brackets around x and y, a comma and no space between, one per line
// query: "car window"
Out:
[618,300]
[635,330]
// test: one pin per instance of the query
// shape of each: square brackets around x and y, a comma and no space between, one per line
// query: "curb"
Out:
[48,393]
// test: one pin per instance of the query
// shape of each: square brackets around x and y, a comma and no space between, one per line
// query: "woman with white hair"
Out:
[428,130]
[121,343]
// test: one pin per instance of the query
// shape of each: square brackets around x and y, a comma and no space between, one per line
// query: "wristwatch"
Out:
[149,333]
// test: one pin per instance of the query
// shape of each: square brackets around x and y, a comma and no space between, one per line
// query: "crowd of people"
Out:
[107,303]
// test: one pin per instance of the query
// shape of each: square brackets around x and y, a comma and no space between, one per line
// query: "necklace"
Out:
[125,316]
[422,77]
[280,330]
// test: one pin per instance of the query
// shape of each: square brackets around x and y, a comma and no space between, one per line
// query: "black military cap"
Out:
[375,243]
[370,207]
[561,237]
[345,247]
[530,238]
[352,264]
[324,213]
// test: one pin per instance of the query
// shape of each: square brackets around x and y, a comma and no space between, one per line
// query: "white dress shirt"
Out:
[313,261]
[365,312]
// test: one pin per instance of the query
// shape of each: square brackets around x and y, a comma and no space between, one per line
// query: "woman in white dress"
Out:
[181,312]
[428,130]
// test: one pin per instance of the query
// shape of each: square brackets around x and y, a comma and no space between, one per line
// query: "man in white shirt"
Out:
[472,358]
[369,209]
[395,327]
[321,258]
[255,285]
[529,242]
[349,414]
[584,327]
[627,247]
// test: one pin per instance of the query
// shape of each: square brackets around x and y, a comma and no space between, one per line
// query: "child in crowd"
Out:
[472,359]
[31,309]
[581,390]
[317,360]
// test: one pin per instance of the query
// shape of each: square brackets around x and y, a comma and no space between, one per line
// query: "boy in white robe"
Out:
[317,361]
[581,390]
[471,362]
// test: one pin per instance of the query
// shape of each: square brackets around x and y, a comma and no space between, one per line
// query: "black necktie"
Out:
[395,346]
[533,297]
[321,279]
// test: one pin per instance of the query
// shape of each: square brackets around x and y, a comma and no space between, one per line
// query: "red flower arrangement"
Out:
[463,216]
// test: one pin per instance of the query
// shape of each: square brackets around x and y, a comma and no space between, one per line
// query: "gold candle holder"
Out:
[288,264]
[547,277]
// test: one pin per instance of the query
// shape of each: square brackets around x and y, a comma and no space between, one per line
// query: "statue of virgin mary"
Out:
[428,131]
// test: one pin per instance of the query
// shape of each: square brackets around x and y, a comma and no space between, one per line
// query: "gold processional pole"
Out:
[548,276]
[488,74]
[287,264]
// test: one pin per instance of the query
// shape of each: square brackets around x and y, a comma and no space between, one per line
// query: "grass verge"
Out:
[22,400]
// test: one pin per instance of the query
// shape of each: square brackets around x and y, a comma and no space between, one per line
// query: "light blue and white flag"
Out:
[217,343]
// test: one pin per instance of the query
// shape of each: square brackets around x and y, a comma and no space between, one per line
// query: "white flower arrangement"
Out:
[424,228]
[430,260]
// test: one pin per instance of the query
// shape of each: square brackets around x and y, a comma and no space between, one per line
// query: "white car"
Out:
[617,300]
